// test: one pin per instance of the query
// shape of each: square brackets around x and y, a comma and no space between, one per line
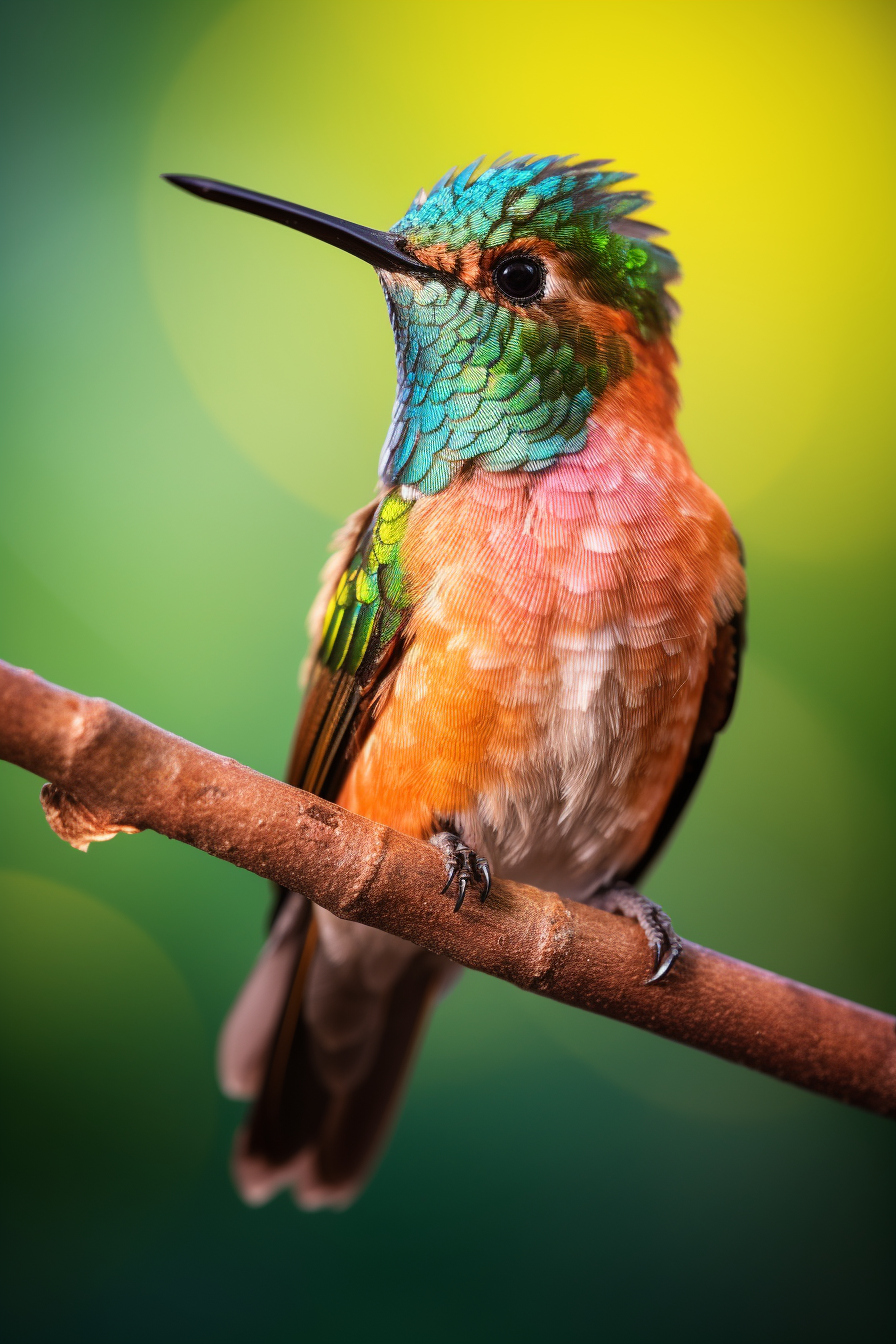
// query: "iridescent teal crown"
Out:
[565,203]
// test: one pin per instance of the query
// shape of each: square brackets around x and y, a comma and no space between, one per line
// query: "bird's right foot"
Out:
[463,865]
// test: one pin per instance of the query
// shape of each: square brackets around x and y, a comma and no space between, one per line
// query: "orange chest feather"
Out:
[561,631]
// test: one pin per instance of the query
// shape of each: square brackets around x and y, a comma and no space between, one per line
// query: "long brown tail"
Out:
[321,1038]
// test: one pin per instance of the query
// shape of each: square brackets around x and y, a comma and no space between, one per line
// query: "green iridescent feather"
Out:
[370,603]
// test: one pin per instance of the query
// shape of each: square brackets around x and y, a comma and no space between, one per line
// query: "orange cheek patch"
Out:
[462,263]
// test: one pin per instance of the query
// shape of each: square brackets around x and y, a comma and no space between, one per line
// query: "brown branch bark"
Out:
[110,771]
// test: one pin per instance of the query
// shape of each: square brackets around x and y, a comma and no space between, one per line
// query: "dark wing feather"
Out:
[715,710]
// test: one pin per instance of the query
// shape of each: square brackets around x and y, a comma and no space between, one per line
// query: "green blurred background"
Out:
[169,487]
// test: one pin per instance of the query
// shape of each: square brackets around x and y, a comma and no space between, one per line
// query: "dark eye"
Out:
[520,278]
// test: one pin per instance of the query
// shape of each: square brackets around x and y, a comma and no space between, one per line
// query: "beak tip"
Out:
[194,185]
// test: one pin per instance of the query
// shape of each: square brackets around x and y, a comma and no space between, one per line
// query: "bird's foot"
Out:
[463,865]
[664,942]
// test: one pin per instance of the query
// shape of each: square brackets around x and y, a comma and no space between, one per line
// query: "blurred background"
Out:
[169,487]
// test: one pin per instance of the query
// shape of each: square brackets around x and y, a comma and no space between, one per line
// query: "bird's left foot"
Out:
[665,944]
[464,865]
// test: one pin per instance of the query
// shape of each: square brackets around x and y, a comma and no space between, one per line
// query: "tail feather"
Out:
[246,1039]
[322,1037]
[357,1122]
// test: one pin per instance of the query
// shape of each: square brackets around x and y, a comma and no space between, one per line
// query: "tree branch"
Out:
[110,771]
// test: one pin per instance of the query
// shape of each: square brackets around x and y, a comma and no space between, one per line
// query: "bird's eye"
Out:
[520,278]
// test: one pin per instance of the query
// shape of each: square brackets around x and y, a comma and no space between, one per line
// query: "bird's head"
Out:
[519,294]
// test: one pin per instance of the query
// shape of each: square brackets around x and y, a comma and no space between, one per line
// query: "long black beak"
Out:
[380,249]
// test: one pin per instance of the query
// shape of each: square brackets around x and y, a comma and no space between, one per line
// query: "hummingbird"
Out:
[523,647]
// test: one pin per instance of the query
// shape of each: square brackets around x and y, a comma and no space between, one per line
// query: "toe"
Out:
[484,874]
[673,952]
[453,869]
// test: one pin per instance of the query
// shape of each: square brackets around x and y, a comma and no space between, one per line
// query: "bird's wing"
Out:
[360,647]
[284,1043]
[715,710]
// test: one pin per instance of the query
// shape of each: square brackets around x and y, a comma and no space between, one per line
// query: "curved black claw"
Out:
[664,942]
[463,864]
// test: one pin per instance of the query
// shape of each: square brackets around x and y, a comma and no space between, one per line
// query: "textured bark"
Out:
[110,771]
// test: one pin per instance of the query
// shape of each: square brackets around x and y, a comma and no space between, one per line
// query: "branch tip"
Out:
[76,823]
